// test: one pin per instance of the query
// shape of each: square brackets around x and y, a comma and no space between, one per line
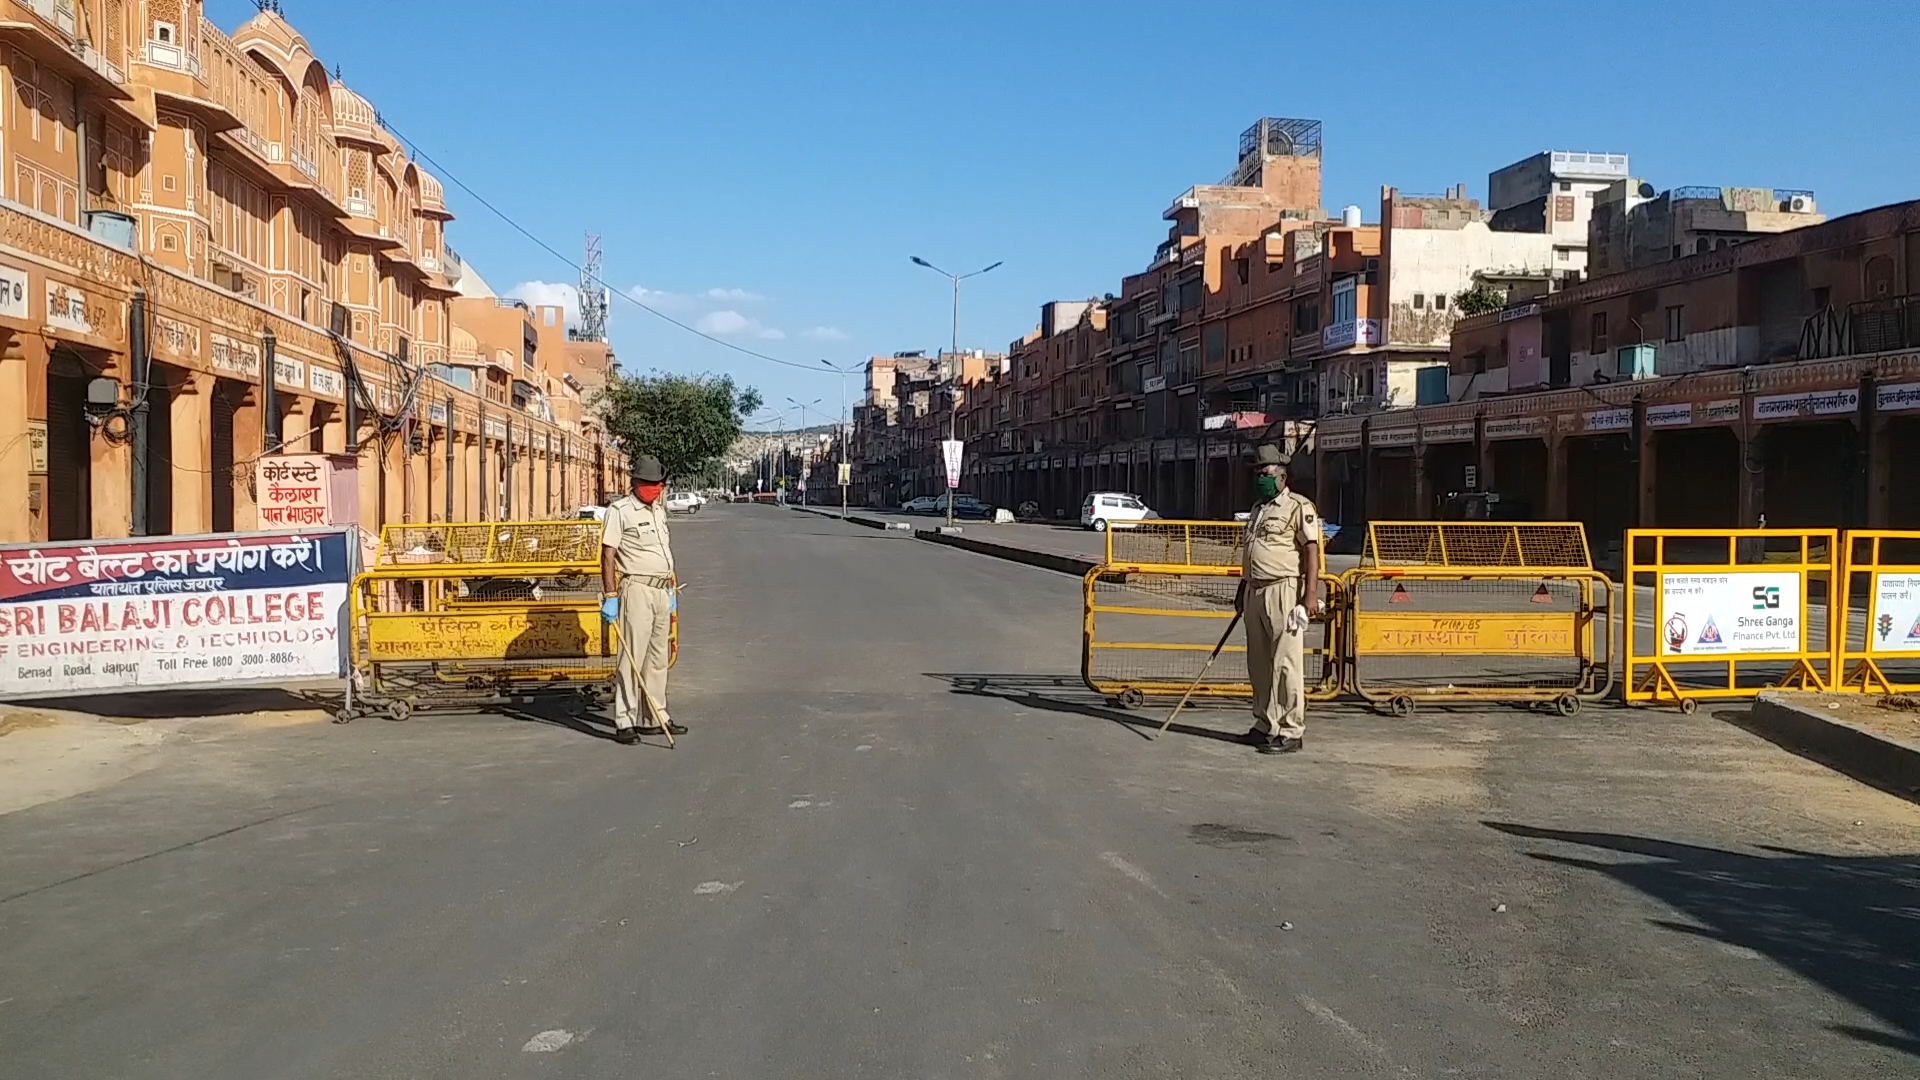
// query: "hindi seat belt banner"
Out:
[113,615]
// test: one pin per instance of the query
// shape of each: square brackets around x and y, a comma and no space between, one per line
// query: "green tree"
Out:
[685,421]
[1480,299]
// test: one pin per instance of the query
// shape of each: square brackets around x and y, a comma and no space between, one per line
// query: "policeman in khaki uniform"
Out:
[1279,593]
[636,574]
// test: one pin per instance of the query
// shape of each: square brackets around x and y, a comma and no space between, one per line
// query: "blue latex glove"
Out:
[673,601]
[610,609]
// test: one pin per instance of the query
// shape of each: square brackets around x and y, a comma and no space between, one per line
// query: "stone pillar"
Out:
[1648,515]
[295,425]
[1753,475]
[419,500]
[333,431]
[1422,499]
[248,439]
[191,454]
[1556,476]
[112,488]
[470,480]
[16,449]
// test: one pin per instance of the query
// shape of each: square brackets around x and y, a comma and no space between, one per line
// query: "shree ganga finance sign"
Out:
[118,615]
[1746,612]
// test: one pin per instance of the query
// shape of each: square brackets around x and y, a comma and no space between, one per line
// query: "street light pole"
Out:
[953,384]
[845,433]
[803,426]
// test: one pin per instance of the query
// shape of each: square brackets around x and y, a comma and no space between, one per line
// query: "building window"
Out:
[1702,246]
[1676,323]
[1599,345]
[1419,301]
[1240,267]
[1822,298]
[1565,186]
[1439,301]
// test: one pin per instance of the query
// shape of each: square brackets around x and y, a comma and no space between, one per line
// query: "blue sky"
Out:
[765,169]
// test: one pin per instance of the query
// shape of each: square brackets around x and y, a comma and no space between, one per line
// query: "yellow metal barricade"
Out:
[467,614]
[1727,613]
[1175,543]
[1551,545]
[1488,634]
[1876,613]
[1149,629]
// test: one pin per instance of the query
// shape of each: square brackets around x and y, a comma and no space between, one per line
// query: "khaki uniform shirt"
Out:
[1278,533]
[638,533]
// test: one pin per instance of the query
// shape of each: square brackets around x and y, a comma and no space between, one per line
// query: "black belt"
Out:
[650,582]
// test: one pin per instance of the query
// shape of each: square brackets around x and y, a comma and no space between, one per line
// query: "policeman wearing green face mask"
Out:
[1279,594]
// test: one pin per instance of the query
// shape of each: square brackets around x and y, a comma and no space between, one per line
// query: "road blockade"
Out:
[466,615]
[1731,612]
[1148,631]
[1877,614]
[1444,635]
[1514,612]
[1175,543]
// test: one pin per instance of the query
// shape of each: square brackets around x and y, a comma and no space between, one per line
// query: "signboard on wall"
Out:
[230,357]
[1818,403]
[13,292]
[225,609]
[1745,612]
[1897,397]
[37,446]
[1670,415]
[293,490]
[67,308]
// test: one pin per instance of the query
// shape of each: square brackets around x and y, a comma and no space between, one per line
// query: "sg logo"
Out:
[1766,597]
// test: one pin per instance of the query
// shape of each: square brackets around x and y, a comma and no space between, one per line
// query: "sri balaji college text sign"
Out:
[174,611]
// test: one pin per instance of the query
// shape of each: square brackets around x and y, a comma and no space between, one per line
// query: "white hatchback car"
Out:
[1116,508]
[683,502]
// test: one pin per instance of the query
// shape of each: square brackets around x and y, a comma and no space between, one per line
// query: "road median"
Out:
[1874,741]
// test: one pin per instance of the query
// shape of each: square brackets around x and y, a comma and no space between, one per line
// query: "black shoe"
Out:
[677,729]
[1281,744]
[627,736]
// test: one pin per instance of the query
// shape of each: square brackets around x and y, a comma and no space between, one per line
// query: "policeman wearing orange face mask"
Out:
[636,575]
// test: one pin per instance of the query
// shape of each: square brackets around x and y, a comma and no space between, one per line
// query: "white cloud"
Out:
[729,323]
[824,333]
[550,293]
[735,296]
[659,298]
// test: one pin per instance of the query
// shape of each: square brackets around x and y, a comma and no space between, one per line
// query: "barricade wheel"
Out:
[1401,706]
[1132,698]
[1688,706]
[346,716]
[399,709]
[1566,705]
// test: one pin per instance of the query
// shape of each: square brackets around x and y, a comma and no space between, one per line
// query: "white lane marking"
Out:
[714,888]
[799,804]
[862,748]
[1138,875]
[1339,1023]
[547,1042]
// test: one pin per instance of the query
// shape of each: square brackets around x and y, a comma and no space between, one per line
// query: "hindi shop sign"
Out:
[1896,614]
[125,614]
[293,490]
[1747,612]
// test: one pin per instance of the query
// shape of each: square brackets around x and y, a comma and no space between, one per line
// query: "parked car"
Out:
[925,504]
[1105,508]
[964,506]
[682,502]
[592,513]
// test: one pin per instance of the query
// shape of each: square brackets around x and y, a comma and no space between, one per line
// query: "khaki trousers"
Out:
[645,626]
[1276,659]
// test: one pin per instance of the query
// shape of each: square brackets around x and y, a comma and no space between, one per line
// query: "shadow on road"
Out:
[188,704]
[1850,924]
[1067,694]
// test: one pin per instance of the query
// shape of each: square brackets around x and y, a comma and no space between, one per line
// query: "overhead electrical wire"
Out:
[551,250]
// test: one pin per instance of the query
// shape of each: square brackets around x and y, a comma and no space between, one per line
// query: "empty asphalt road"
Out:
[901,843]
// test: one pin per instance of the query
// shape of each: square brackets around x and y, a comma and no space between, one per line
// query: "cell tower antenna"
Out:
[593,295]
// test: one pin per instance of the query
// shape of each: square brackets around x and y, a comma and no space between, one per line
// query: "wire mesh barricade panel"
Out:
[1432,634]
[1555,545]
[1877,615]
[1717,613]
[1175,543]
[1149,634]
[492,543]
